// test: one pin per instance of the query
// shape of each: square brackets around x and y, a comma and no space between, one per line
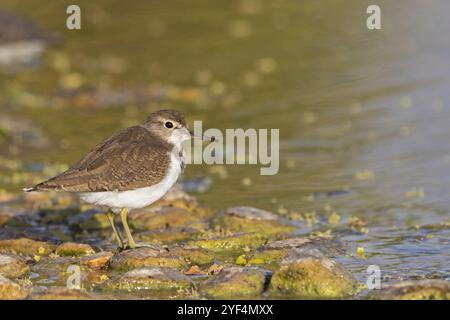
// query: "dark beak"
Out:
[202,137]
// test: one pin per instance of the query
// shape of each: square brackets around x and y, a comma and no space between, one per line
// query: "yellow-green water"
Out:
[363,115]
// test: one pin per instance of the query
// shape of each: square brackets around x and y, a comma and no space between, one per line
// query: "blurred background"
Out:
[363,115]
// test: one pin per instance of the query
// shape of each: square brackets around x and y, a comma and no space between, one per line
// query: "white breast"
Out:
[137,198]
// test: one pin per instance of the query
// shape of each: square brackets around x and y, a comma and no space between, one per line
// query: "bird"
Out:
[130,170]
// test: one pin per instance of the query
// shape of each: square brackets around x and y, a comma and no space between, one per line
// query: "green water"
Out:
[363,115]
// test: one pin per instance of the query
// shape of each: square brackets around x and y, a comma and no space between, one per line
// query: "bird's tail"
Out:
[29,189]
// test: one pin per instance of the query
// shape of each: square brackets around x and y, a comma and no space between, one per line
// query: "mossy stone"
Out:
[312,277]
[12,267]
[151,279]
[147,257]
[235,282]
[26,247]
[414,290]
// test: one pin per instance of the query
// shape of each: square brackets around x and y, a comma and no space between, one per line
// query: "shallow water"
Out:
[363,115]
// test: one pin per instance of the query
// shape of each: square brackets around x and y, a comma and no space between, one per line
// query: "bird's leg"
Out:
[123,216]
[131,243]
[110,216]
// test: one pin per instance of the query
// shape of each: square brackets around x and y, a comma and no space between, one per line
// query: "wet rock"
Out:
[22,41]
[275,251]
[59,293]
[414,290]
[89,220]
[56,270]
[72,249]
[12,267]
[235,282]
[98,261]
[151,278]
[10,290]
[167,235]
[26,247]
[194,255]
[147,257]
[249,219]
[236,244]
[148,219]
[307,273]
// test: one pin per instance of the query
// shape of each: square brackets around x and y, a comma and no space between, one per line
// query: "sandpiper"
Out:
[130,170]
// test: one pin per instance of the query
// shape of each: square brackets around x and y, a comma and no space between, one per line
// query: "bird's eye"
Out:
[168,124]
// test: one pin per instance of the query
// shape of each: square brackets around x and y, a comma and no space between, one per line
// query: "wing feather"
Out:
[133,158]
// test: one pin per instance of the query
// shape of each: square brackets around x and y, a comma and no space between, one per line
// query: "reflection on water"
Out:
[363,115]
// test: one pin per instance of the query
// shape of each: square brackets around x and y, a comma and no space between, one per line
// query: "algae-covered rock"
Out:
[414,290]
[307,273]
[12,267]
[97,261]
[26,247]
[235,282]
[194,255]
[59,293]
[273,252]
[236,243]
[151,278]
[277,250]
[167,235]
[149,219]
[72,249]
[57,270]
[10,290]
[249,219]
[147,257]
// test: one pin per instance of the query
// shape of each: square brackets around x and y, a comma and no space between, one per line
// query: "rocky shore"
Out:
[195,253]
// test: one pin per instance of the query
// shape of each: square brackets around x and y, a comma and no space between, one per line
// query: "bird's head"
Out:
[170,126]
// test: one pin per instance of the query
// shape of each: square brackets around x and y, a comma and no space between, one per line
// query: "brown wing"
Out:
[131,159]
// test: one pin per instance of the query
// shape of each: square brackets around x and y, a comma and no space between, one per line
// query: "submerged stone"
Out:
[307,273]
[235,282]
[10,290]
[72,249]
[147,257]
[414,290]
[151,278]
[12,267]
[249,219]
[26,247]
[236,244]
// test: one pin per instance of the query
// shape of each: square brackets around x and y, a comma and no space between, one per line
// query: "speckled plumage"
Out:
[134,158]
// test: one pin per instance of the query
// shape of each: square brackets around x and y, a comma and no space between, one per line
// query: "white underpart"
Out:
[142,197]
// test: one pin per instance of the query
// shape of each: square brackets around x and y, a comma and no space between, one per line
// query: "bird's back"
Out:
[133,158]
